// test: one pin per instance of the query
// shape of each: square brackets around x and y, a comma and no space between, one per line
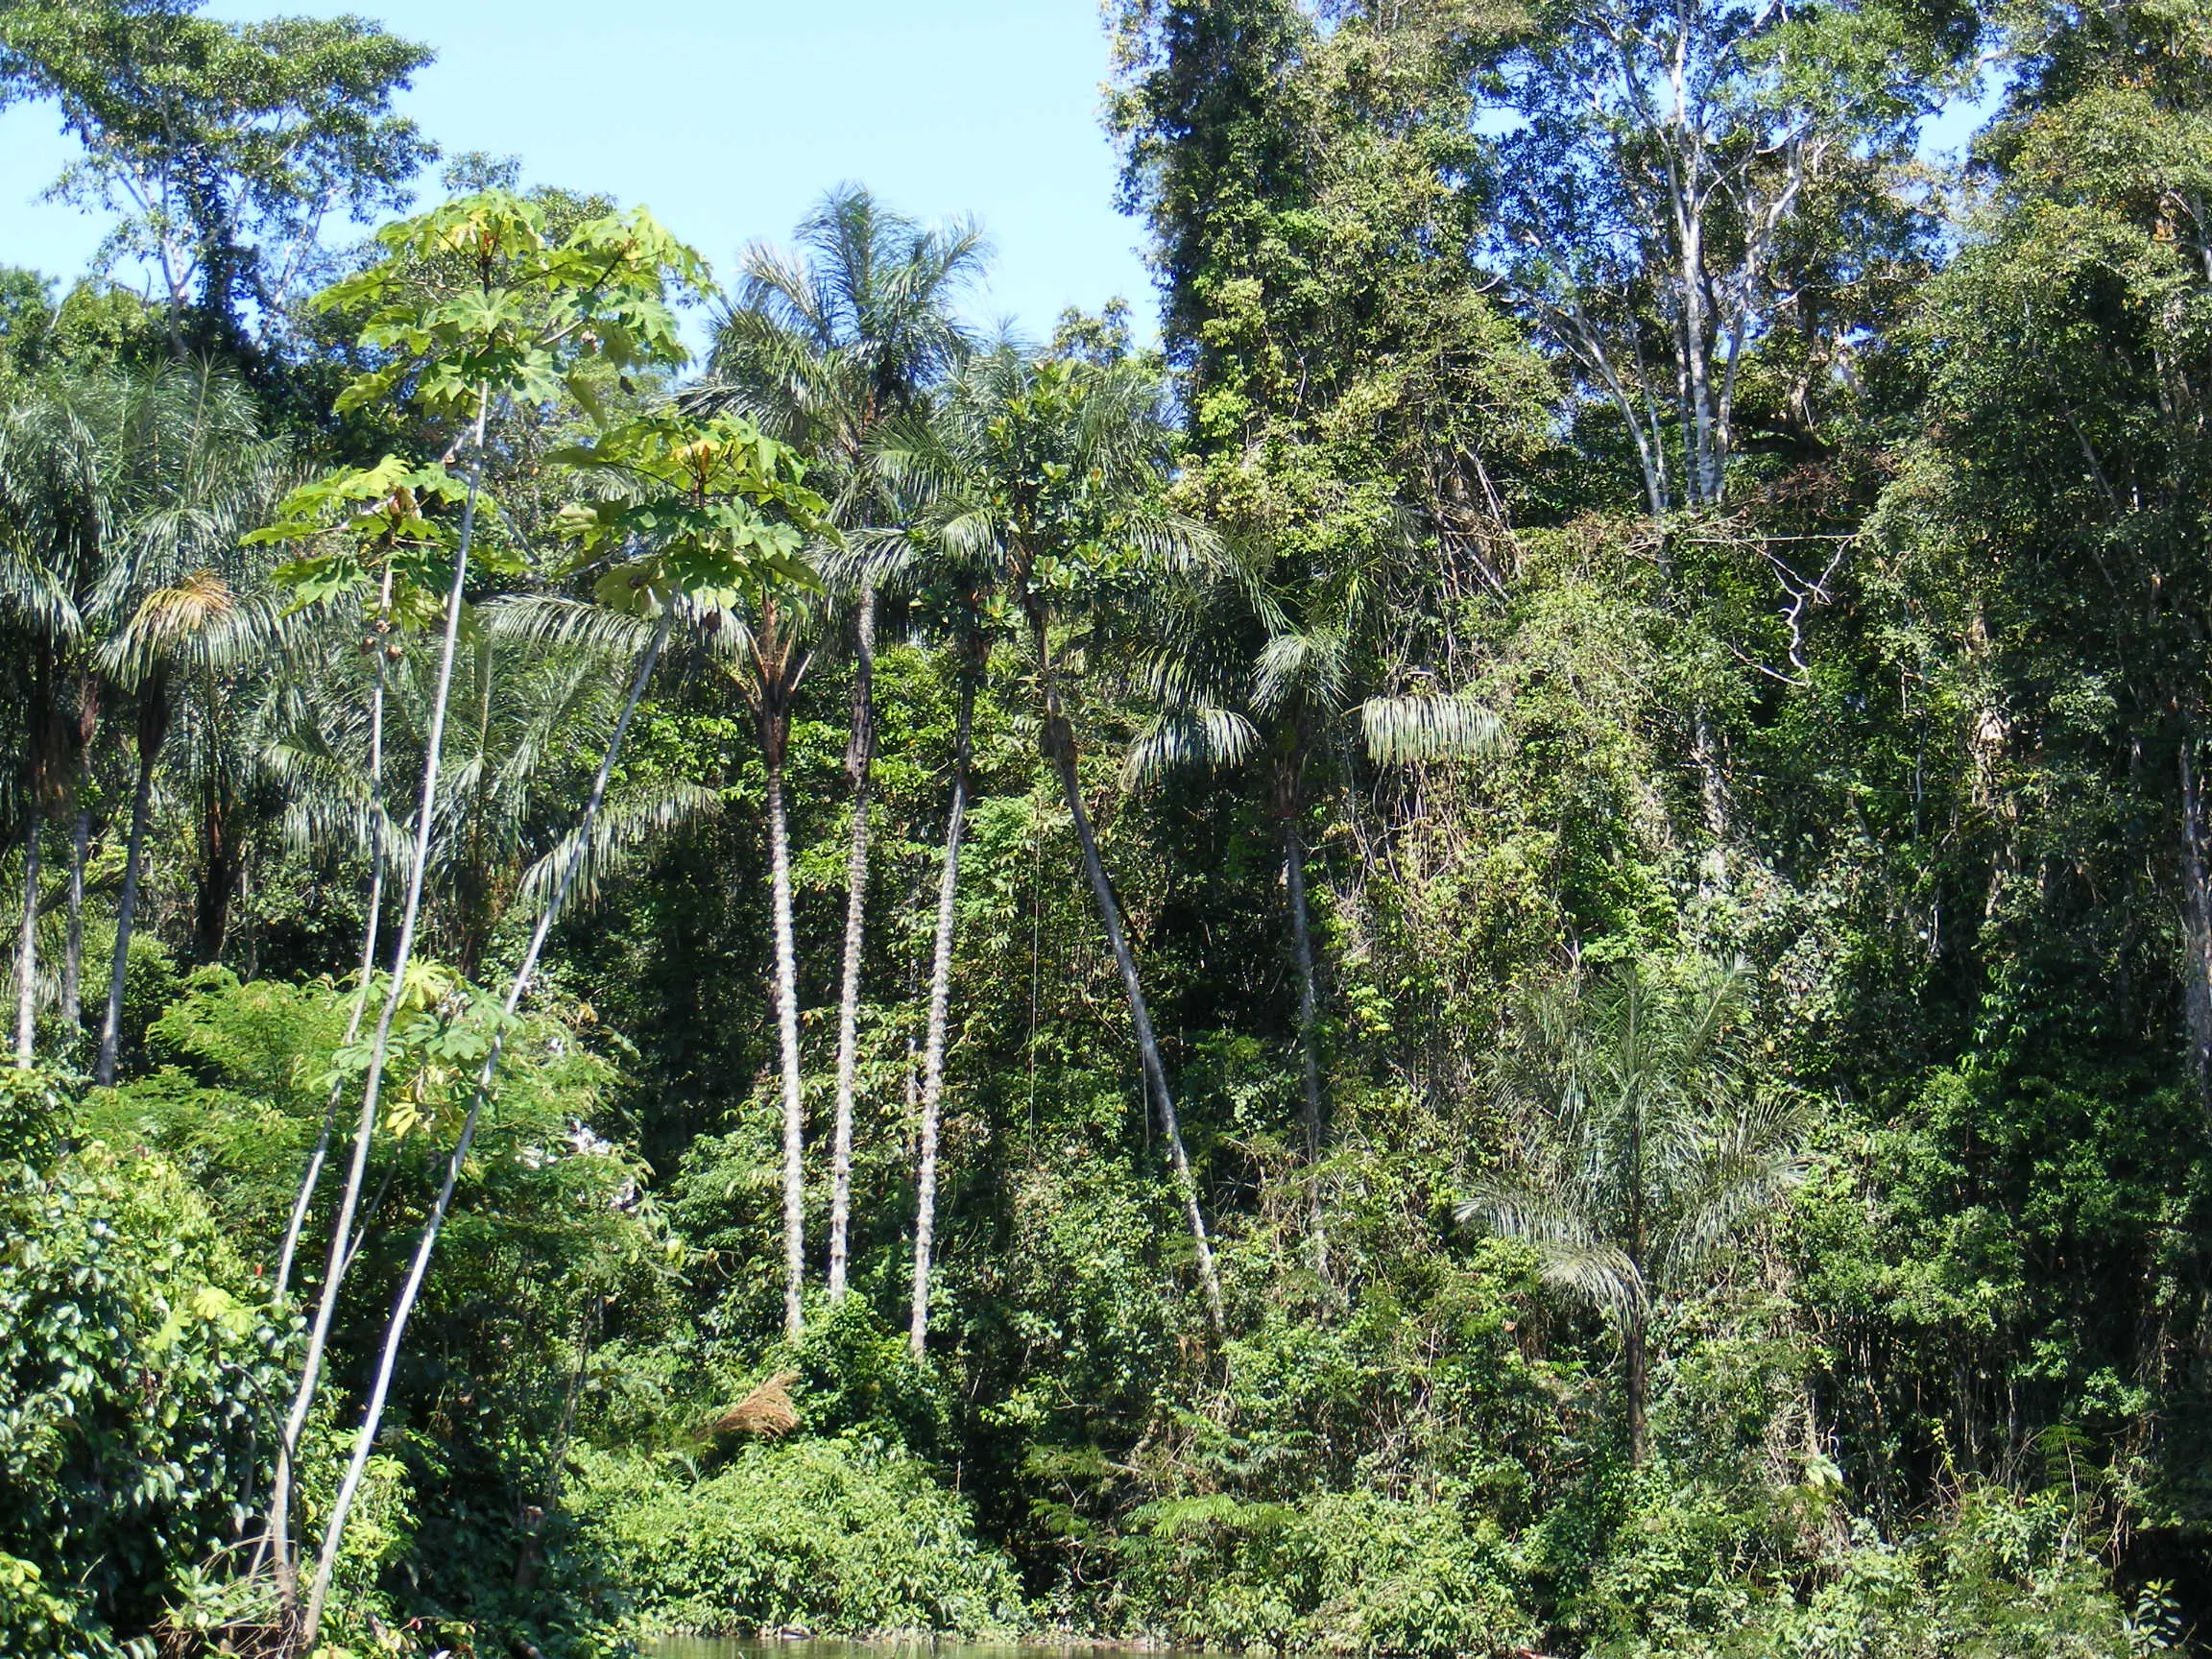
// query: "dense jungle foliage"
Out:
[1509,953]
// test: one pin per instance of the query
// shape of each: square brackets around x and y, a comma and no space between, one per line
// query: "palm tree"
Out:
[477,307]
[52,512]
[1645,1145]
[823,348]
[971,646]
[119,484]
[188,652]
[767,650]
[1048,472]
[1323,662]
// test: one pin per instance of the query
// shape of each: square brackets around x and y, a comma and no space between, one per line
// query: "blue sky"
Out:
[729,117]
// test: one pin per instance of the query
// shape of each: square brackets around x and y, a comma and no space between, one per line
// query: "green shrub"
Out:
[1340,1573]
[2004,1576]
[133,1363]
[838,1535]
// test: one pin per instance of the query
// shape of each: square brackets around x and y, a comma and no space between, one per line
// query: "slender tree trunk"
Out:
[940,1005]
[1302,949]
[73,952]
[1308,1000]
[27,947]
[774,726]
[2196,922]
[365,1125]
[222,861]
[1059,745]
[313,1177]
[860,764]
[1637,1343]
[153,730]
[395,1330]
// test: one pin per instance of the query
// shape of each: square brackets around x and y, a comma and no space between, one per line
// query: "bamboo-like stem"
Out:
[27,948]
[153,730]
[313,1177]
[940,1005]
[859,762]
[1059,744]
[788,1041]
[395,1330]
[365,1125]
[73,949]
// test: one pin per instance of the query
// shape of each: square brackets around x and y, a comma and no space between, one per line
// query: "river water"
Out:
[905,1647]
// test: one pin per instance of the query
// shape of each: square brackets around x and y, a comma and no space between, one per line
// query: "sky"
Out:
[728,118]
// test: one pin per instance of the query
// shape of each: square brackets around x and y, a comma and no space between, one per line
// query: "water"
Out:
[895,1648]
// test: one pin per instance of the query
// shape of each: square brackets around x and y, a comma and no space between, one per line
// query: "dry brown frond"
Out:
[766,1411]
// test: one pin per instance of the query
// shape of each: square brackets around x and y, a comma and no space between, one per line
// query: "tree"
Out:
[1645,1147]
[721,517]
[1048,472]
[823,348]
[226,146]
[1660,158]
[51,507]
[1359,414]
[475,304]
[1326,664]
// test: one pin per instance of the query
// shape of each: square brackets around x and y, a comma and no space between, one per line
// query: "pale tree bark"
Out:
[940,1006]
[395,1329]
[27,947]
[153,731]
[365,1125]
[774,731]
[1058,740]
[859,765]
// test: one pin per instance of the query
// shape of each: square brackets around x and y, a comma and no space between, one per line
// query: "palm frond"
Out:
[1193,736]
[625,824]
[1426,727]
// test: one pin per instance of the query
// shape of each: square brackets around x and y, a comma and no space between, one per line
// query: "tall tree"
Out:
[1661,156]
[475,306]
[722,517]
[224,146]
[823,346]
[1050,472]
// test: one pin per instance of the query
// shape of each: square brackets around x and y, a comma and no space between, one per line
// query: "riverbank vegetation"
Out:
[1511,952]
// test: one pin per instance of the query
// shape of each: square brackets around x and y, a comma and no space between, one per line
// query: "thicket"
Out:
[1509,953]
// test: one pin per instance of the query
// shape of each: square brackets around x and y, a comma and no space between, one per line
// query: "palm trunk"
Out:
[860,762]
[153,730]
[395,1330]
[940,1004]
[313,1177]
[1059,744]
[73,952]
[365,1125]
[1286,805]
[1637,1344]
[222,861]
[27,947]
[774,729]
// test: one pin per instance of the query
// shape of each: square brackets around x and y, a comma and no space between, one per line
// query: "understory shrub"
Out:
[2002,1576]
[133,1360]
[1336,1573]
[845,1536]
